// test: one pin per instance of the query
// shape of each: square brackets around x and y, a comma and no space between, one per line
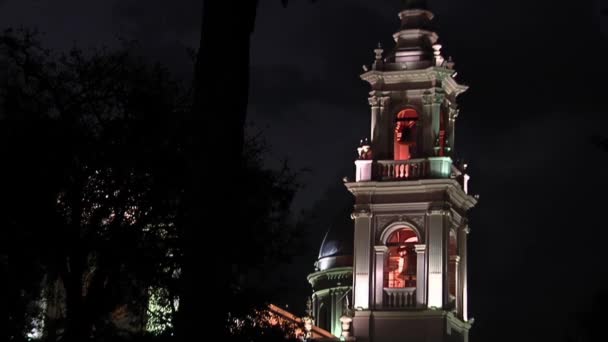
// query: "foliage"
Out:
[263,325]
[93,183]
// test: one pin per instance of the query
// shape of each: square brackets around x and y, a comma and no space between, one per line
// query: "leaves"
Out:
[93,191]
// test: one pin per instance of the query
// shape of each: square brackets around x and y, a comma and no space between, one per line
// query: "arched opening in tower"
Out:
[400,267]
[405,134]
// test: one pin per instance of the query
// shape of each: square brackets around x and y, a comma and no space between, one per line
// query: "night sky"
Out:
[537,72]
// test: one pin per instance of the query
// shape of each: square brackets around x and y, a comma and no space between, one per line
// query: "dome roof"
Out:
[337,246]
[336,243]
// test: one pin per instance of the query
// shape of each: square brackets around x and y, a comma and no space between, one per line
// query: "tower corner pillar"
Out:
[436,245]
[380,258]
[420,275]
[362,259]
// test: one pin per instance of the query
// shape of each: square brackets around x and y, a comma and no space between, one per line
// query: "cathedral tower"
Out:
[411,200]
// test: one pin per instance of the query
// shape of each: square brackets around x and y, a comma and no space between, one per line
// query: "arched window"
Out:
[400,266]
[405,133]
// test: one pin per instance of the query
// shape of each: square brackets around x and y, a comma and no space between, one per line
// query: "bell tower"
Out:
[411,199]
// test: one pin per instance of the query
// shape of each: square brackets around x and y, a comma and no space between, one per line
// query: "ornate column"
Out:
[381,127]
[426,141]
[437,249]
[375,134]
[380,258]
[333,295]
[454,264]
[452,115]
[314,307]
[387,128]
[362,259]
[463,271]
[432,101]
[420,275]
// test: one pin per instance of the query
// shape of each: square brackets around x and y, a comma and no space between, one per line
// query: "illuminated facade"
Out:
[411,200]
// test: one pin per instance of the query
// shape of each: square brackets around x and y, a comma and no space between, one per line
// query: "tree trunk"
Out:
[77,328]
[216,130]
[74,265]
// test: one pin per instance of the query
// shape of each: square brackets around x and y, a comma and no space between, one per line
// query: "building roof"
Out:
[317,332]
[338,240]
[337,246]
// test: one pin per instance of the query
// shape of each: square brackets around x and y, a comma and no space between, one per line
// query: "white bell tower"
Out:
[411,201]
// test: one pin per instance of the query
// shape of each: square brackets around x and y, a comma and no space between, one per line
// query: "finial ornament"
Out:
[346,319]
[309,306]
[308,320]
[364,150]
[379,51]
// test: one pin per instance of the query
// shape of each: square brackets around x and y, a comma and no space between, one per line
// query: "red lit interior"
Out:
[405,133]
[400,267]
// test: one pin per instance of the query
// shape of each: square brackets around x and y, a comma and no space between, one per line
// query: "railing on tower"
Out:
[368,169]
[402,169]
[398,298]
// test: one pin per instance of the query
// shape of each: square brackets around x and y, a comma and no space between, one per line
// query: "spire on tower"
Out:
[414,4]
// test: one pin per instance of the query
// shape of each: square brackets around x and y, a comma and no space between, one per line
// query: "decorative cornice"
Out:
[452,87]
[341,289]
[374,188]
[416,208]
[430,74]
[330,274]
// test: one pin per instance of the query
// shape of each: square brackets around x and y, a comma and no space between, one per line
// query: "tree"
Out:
[100,150]
[87,140]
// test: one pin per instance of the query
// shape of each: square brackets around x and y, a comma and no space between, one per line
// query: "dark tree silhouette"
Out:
[588,326]
[97,154]
[87,141]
